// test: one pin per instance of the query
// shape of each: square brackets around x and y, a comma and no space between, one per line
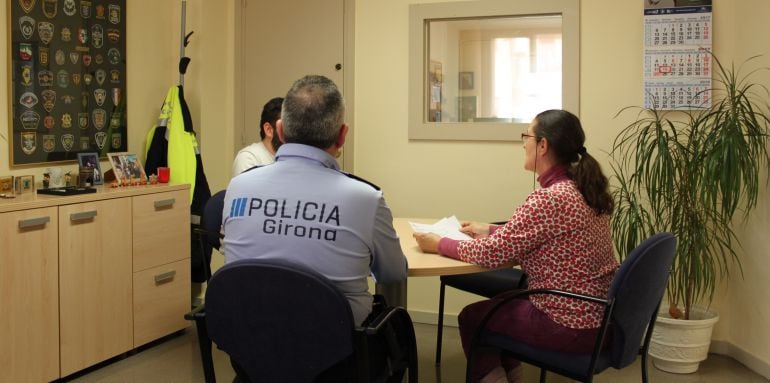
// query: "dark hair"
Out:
[313,112]
[566,138]
[271,112]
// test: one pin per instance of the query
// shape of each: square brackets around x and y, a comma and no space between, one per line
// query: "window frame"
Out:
[421,14]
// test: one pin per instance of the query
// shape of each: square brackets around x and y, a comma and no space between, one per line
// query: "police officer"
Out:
[303,209]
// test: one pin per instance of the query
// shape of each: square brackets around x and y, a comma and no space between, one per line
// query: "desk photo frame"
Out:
[67,79]
[127,168]
[91,160]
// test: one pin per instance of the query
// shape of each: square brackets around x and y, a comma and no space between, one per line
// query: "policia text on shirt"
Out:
[274,211]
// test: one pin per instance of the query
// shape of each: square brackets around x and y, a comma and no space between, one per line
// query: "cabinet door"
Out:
[29,326]
[95,282]
[161,229]
[161,298]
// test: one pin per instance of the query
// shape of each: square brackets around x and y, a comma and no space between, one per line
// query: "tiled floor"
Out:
[176,359]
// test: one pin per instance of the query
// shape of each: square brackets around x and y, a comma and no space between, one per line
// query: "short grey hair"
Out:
[313,112]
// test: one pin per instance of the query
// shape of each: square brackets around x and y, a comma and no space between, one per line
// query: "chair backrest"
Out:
[211,219]
[278,321]
[637,289]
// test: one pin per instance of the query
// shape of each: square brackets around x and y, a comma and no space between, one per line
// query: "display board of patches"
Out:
[67,65]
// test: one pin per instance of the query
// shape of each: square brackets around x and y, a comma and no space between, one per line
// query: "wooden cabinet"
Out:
[88,277]
[161,264]
[29,296]
[95,319]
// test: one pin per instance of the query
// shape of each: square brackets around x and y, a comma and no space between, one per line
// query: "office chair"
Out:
[281,322]
[208,237]
[630,310]
[487,284]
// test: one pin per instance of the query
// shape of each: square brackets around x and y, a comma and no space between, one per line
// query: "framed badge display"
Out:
[67,93]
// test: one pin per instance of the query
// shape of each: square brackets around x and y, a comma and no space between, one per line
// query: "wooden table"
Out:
[420,264]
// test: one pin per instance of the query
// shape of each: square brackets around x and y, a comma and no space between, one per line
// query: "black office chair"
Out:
[487,284]
[209,236]
[630,310]
[281,322]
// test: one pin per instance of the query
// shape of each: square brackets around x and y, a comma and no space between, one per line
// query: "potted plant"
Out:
[690,173]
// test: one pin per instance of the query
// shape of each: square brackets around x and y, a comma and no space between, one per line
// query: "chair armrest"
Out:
[196,313]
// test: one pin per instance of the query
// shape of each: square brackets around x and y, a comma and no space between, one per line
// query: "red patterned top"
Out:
[560,243]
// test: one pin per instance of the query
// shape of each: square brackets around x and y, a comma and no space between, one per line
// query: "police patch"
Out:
[83,120]
[29,120]
[113,11]
[85,9]
[116,92]
[99,96]
[76,79]
[62,78]
[27,27]
[50,7]
[100,76]
[83,35]
[66,34]
[117,141]
[115,76]
[59,57]
[67,141]
[99,118]
[97,35]
[100,138]
[87,78]
[45,78]
[113,35]
[114,56]
[49,122]
[69,7]
[99,11]
[27,5]
[87,61]
[66,120]
[45,31]
[49,143]
[49,99]
[28,142]
[28,100]
[42,55]
[74,57]
[26,75]
[25,51]
[84,143]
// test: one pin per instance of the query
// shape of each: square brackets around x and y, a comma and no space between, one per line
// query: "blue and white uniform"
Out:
[303,209]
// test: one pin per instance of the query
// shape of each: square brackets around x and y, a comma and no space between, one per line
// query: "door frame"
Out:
[348,88]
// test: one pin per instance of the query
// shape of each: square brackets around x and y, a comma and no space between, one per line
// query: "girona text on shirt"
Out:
[307,217]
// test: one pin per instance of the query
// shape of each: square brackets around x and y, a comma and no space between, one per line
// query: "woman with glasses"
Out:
[560,236]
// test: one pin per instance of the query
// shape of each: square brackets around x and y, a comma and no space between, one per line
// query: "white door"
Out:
[280,42]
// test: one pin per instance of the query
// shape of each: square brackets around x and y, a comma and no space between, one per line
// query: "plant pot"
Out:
[678,346]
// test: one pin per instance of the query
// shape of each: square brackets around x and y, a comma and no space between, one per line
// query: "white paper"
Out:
[446,227]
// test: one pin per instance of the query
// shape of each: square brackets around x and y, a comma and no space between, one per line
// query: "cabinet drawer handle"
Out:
[165,203]
[82,216]
[165,277]
[39,221]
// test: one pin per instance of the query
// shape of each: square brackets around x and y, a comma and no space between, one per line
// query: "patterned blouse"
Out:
[560,243]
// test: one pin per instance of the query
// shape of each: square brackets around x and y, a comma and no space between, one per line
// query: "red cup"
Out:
[163,174]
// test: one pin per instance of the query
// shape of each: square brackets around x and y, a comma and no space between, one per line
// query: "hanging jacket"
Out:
[173,144]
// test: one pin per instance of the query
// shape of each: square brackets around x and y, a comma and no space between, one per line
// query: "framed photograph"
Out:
[66,79]
[91,160]
[24,184]
[466,80]
[127,168]
[6,184]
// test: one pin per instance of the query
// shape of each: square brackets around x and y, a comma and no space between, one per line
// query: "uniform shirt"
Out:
[251,156]
[560,242]
[304,210]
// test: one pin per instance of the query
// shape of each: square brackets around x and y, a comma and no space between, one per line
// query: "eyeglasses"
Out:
[526,135]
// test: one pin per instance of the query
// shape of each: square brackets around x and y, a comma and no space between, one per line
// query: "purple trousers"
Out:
[522,321]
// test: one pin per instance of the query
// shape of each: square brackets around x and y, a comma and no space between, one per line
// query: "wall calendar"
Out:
[677,54]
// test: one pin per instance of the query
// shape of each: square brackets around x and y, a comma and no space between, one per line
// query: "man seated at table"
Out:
[303,209]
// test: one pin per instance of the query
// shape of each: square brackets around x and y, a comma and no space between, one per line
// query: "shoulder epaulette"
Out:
[361,180]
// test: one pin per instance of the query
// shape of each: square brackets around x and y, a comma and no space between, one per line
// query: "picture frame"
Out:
[91,159]
[127,168]
[465,80]
[6,184]
[466,108]
[67,80]
[24,184]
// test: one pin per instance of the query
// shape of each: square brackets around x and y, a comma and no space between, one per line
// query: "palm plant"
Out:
[690,172]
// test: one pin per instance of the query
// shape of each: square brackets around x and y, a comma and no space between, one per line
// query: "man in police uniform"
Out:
[303,209]
[262,152]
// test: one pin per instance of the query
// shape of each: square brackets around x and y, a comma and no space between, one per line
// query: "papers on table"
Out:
[445,227]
